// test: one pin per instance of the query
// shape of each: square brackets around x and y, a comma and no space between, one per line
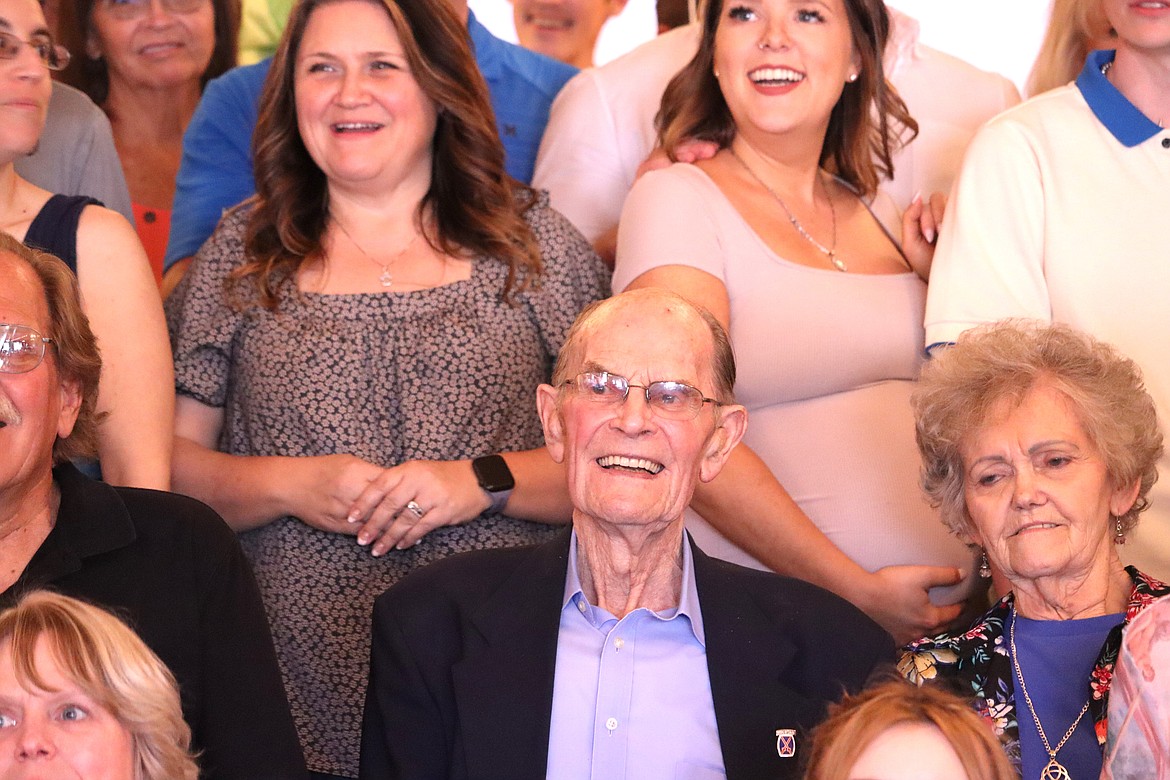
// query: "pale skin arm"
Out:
[748,506]
[345,494]
[136,391]
[449,494]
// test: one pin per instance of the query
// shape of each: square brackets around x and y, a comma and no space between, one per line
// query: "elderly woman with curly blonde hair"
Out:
[1039,444]
[81,693]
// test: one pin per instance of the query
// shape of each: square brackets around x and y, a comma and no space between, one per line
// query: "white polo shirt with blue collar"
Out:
[1062,213]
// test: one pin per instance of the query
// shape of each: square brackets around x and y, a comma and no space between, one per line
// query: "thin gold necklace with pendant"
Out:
[1053,770]
[386,278]
[829,252]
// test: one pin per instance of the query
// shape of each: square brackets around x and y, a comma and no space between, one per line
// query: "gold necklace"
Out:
[386,278]
[829,252]
[1053,770]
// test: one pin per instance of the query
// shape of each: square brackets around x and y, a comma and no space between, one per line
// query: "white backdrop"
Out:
[636,24]
[996,35]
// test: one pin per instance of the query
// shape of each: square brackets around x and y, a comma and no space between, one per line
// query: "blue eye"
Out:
[741,13]
[73,712]
[806,15]
[7,721]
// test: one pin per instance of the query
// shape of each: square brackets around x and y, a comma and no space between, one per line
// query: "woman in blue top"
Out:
[1039,445]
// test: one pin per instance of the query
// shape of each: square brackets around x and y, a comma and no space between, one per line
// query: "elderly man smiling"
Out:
[619,649]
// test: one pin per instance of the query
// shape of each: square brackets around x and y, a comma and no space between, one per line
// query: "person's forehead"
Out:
[22,297]
[670,340]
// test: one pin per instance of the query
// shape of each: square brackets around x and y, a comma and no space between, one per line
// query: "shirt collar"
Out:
[483,45]
[1122,118]
[688,605]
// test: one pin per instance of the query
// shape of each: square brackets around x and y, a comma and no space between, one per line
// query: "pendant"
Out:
[385,278]
[1054,770]
[837,262]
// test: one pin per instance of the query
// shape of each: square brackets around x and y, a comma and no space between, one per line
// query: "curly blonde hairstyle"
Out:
[962,385]
[113,667]
[858,720]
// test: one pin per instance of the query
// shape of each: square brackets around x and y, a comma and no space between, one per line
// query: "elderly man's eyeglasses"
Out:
[21,348]
[132,9]
[670,400]
[55,56]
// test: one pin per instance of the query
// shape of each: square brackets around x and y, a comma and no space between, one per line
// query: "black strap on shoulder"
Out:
[54,229]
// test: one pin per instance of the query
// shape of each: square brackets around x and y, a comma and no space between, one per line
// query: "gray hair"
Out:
[962,384]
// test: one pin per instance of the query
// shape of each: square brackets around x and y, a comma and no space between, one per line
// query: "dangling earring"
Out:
[1120,536]
[984,565]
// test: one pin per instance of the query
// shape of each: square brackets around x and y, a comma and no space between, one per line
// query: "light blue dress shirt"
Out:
[632,697]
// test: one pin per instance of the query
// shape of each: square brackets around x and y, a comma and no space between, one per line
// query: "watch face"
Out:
[493,474]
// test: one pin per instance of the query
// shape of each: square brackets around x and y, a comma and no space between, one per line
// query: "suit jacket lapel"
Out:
[504,684]
[747,655]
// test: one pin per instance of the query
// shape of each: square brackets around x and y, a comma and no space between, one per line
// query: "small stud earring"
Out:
[852,78]
[984,566]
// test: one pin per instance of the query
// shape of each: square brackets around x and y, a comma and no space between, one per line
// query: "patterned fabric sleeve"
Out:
[573,277]
[201,322]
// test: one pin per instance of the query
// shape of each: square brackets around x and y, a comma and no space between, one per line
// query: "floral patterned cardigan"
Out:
[978,663]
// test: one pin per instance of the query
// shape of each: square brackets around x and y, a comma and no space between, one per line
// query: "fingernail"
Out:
[917,197]
[351,519]
[363,540]
[930,235]
[377,552]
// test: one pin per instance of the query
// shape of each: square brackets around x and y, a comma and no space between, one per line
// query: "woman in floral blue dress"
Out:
[1039,445]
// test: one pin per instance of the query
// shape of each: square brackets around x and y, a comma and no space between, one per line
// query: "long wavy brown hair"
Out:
[869,123]
[476,207]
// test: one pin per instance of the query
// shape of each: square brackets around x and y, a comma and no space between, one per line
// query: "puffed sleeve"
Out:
[201,320]
[990,259]
[574,276]
[668,220]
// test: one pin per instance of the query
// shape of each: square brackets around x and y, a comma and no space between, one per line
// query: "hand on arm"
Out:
[136,391]
[448,493]
[753,510]
[921,223]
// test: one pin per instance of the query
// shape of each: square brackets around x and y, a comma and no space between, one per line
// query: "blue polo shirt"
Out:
[216,169]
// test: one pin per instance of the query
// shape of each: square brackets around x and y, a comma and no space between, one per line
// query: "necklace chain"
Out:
[386,278]
[1053,770]
[829,252]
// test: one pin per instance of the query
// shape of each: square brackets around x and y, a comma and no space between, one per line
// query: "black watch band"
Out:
[495,478]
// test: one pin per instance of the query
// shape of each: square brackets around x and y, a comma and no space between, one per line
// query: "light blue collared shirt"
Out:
[1123,119]
[632,697]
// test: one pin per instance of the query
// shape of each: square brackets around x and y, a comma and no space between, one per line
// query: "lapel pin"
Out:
[786,743]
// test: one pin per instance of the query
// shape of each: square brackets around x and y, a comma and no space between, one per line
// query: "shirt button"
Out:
[1166,143]
[611,724]
[581,607]
[619,643]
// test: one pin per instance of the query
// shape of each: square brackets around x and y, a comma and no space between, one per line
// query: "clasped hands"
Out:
[387,508]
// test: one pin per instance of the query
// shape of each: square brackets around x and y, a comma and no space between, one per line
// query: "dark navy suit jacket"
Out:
[464,653]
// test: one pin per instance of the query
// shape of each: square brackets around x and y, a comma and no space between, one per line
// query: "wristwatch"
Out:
[495,478]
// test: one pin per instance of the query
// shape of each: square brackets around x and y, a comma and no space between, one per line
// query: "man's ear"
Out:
[70,398]
[729,429]
[547,407]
